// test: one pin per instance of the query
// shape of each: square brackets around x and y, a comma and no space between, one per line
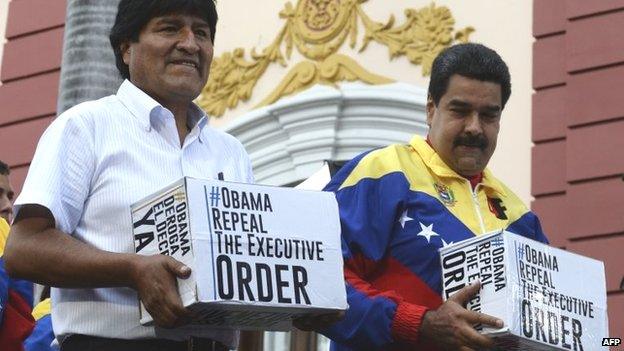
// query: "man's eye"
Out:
[201,33]
[169,29]
[489,115]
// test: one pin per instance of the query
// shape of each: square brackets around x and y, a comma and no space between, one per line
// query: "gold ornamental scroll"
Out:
[318,29]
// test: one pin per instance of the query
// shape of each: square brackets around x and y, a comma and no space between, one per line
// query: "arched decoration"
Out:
[317,29]
[289,140]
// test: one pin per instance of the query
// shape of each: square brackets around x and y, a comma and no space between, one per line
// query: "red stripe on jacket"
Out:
[17,323]
[392,280]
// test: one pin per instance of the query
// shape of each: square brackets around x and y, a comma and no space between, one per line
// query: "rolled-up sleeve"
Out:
[61,171]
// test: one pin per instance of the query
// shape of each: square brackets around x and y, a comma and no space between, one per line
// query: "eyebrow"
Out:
[492,108]
[460,103]
[176,20]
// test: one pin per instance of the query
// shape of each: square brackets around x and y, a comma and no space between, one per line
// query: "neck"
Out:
[180,112]
[474,180]
[178,105]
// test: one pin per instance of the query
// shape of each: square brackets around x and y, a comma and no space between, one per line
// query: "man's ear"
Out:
[430,109]
[125,52]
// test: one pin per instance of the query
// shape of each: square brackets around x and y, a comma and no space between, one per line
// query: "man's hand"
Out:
[154,278]
[450,327]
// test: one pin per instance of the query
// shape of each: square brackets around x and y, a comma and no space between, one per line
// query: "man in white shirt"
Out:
[73,229]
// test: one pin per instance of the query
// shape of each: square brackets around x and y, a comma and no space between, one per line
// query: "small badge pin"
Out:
[445,194]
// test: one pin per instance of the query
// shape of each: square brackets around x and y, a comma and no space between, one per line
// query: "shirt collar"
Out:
[197,117]
[433,161]
[145,108]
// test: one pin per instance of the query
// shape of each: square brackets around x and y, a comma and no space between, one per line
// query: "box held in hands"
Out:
[548,298]
[260,255]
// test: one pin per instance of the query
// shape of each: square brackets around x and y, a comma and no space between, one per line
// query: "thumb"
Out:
[466,293]
[178,268]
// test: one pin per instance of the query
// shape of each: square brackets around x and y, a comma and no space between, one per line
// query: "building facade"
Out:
[298,83]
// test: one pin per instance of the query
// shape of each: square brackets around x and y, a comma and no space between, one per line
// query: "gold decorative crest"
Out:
[318,28]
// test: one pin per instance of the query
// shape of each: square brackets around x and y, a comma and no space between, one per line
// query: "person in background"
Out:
[6,193]
[16,321]
[400,204]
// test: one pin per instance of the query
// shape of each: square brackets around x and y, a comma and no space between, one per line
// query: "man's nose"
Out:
[188,41]
[473,124]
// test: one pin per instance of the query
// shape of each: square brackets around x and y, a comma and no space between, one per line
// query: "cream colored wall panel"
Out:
[502,25]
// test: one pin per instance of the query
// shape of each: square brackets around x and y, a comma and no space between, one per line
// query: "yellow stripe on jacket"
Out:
[4,234]
[42,309]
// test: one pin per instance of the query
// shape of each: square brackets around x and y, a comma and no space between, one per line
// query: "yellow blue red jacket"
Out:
[16,321]
[398,206]
[42,336]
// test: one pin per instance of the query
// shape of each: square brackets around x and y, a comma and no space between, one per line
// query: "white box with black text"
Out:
[260,255]
[548,298]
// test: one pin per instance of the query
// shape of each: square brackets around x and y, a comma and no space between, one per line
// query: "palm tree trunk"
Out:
[88,68]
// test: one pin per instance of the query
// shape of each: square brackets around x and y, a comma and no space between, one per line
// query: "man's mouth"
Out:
[188,63]
[469,149]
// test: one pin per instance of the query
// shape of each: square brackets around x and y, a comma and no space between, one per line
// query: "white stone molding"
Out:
[289,140]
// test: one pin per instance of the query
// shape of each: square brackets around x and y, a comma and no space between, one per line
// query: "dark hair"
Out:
[470,60]
[4,168]
[133,16]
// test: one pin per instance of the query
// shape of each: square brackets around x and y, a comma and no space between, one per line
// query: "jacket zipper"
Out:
[477,206]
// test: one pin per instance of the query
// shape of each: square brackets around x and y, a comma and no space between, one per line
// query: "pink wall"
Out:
[30,77]
[578,131]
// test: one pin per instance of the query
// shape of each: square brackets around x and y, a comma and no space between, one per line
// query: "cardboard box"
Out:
[549,299]
[260,255]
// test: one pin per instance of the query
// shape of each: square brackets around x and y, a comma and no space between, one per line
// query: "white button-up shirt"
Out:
[91,164]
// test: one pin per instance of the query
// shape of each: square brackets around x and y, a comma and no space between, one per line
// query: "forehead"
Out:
[179,17]
[473,91]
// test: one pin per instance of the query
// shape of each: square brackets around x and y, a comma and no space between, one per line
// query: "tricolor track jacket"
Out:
[398,206]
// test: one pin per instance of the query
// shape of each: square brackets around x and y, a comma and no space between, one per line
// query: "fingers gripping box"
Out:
[260,255]
[548,298]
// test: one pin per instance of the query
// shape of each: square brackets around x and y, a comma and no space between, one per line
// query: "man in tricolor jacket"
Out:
[16,296]
[400,204]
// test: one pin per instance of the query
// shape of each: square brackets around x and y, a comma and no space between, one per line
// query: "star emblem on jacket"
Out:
[404,219]
[445,244]
[427,231]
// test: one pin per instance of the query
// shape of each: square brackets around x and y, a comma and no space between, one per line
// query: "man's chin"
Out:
[191,91]
[469,166]
[184,81]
